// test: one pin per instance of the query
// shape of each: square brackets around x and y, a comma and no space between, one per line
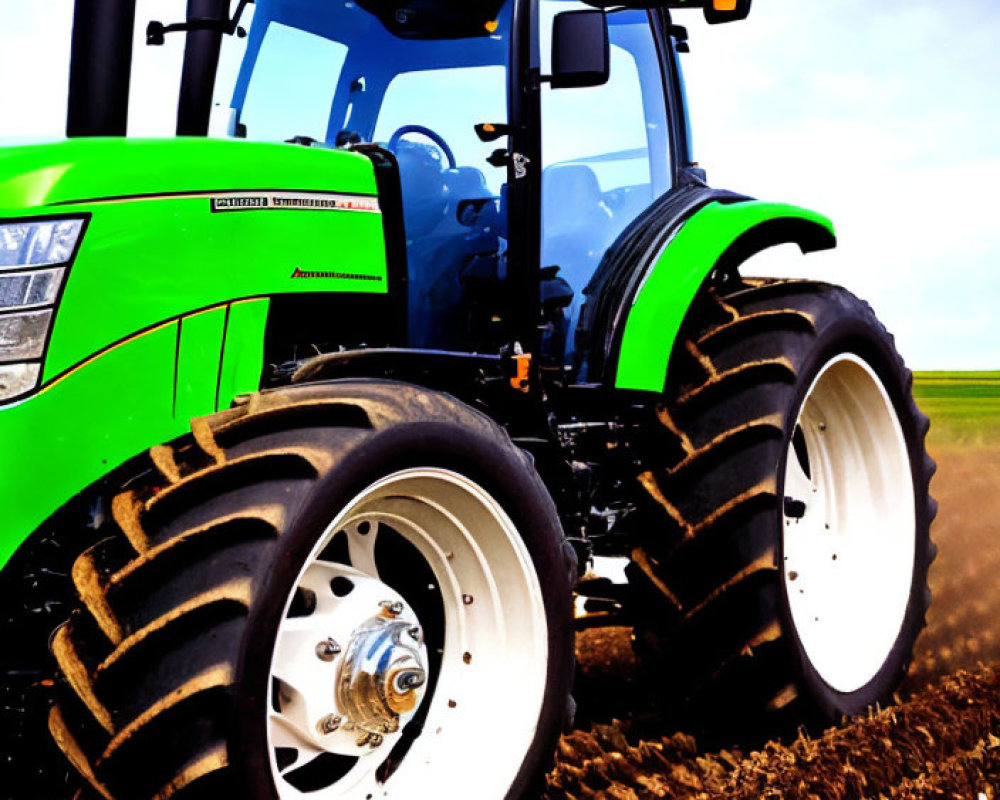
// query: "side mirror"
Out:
[581,50]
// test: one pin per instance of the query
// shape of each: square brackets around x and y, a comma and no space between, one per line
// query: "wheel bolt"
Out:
[391,608]
[373,740]
[414,633]
[327,650]
[329,724]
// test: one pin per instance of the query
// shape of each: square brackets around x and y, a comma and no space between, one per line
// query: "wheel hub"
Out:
[353,672]
[382,676]
[355,662]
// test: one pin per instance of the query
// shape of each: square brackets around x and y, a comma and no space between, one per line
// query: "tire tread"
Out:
[708,541]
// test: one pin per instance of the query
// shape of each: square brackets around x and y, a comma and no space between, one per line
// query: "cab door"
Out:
[605,160]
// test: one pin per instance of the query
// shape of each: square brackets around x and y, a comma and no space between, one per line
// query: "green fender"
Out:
[717,236]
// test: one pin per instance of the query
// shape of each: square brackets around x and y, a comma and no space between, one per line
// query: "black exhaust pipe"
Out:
[207,20]
[100,67]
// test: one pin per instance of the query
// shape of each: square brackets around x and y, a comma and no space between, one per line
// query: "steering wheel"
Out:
[434,137]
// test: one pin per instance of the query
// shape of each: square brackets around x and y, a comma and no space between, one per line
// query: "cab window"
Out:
[332,74]
[292,90]
[605,154]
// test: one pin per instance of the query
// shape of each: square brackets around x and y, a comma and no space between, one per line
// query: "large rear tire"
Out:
[351,590]
[782,572]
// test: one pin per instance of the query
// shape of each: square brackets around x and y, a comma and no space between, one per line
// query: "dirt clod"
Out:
[943,742]
[940,739]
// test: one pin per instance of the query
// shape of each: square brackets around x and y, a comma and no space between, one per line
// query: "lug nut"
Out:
[373,740]
[414,633]
[392,726]
[327,650]
[391,608]
[329,724]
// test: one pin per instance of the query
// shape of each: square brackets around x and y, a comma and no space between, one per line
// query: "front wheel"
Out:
[786,529]
[357,590]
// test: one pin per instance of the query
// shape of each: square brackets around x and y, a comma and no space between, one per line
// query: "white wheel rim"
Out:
[848,568]
[482,715]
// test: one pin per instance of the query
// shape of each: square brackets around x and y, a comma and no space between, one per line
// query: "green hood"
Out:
[34,176]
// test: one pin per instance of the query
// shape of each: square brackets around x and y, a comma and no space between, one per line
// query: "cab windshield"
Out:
[332,73]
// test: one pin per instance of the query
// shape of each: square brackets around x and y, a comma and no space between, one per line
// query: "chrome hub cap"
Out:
[382,676]
[347,699]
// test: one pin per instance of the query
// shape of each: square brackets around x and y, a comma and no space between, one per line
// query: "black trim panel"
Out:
[222,355]
[177,363]
[809,236]
[390,197]
[398,361]
[621,272]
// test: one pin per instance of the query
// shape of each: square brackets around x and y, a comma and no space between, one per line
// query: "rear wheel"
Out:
[332,592]
[785,538]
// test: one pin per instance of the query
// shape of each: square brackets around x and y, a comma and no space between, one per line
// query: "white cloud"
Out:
[34,66]
[886,117]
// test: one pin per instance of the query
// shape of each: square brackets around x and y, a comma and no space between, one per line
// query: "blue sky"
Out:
[886,116]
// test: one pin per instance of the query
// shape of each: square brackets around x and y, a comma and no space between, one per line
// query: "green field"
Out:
[964,407]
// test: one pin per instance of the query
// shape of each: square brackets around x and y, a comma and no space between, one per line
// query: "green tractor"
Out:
[311,433]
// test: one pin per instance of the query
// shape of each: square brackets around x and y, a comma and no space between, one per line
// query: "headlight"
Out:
[34,257]
[22,336]
[38,244]
[24,289]
[18,379]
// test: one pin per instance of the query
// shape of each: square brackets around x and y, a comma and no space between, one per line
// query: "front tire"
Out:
[334,591]
[782,572]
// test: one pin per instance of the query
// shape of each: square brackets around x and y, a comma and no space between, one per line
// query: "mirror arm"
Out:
[157,31]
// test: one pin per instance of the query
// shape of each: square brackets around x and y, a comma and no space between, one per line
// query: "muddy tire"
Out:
[782,572]
[353,590]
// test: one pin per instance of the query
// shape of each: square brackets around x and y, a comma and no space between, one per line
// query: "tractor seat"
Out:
[466,183]
[577,227]
[576,224]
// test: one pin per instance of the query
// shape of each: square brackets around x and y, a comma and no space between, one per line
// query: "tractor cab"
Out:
[434,85]
[526,137]
[519,167]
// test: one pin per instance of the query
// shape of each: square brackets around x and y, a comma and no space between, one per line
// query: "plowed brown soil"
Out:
[941,741]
